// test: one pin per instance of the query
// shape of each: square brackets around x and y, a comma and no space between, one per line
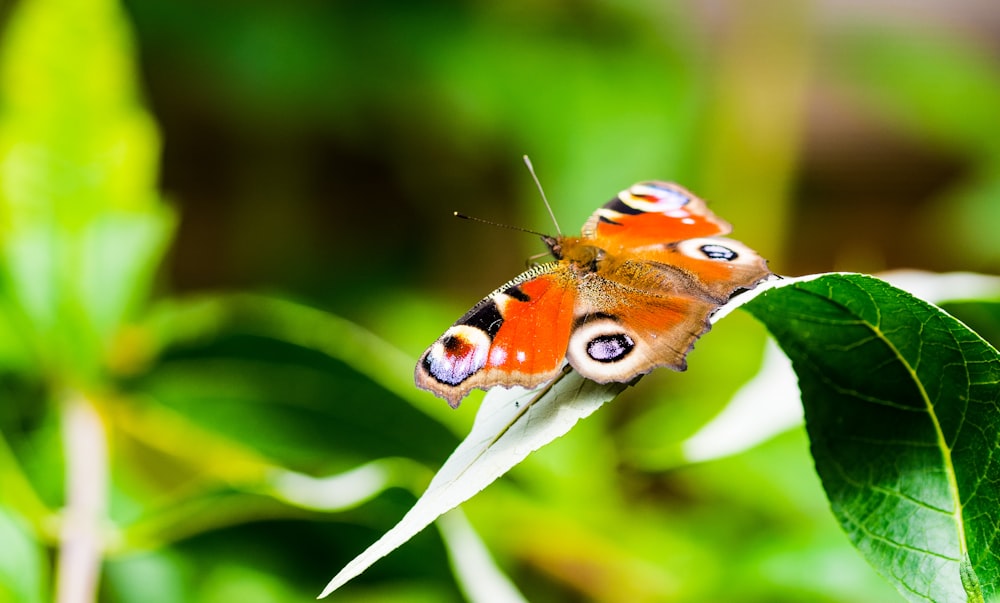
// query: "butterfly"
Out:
[632,293]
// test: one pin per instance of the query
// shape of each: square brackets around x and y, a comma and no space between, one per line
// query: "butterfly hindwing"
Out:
[645,310]
[722,266]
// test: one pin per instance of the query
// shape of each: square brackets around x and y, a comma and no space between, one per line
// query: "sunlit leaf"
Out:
[765,406]
[344,490]
[510,425]
[901,406]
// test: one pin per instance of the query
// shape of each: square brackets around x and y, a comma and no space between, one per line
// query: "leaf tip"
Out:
[332,586]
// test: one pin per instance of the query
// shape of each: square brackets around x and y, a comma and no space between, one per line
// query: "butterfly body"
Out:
[633,292]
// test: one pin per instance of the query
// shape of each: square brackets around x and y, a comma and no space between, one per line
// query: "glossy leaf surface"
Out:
[901,404]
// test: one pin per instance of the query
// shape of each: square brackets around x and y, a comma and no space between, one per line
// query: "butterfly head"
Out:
[555,245]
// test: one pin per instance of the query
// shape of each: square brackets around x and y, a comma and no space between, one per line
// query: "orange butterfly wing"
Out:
[645,309]
[515,336]
[652,213]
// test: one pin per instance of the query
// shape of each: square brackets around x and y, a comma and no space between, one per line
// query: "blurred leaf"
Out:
[232,582]
[348,489]
[121,252]
[765,406]
[16,353]
[16,490]
[76,139]
[202,513]
[324,392]
[478,575]
[156,577]
[982,317]
[181,324]
[23,572]
[82,226]
[312,417]
[901,408]
[965,219]
[252,385]
[940,288]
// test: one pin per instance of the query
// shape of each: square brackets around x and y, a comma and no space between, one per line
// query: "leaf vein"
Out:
[891,542]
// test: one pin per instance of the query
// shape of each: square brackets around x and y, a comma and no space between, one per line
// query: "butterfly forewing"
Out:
[515,336]
[652,213]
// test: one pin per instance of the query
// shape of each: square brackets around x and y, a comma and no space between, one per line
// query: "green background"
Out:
[314,151]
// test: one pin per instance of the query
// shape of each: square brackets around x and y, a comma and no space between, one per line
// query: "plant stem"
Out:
[81,543]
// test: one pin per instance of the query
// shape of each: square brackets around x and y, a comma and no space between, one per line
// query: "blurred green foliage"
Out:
[316,149]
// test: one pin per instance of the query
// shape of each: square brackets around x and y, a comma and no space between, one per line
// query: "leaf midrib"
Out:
[928,404]
[941,440]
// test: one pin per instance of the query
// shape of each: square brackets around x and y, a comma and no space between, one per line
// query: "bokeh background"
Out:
[301,136]
[312,154]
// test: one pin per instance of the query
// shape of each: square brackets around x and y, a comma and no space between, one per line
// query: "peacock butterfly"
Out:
[632,293]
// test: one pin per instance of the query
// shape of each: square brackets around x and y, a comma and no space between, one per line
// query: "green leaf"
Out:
[901,404]
[194,321]
[82,227]
[510,425]
[22,563]
[337,391]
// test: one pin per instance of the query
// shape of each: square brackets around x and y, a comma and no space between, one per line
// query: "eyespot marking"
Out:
[714,251]
[610,348]
[457,355]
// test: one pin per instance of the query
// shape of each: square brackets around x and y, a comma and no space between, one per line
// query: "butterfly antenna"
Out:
[498,224]
[552,214]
